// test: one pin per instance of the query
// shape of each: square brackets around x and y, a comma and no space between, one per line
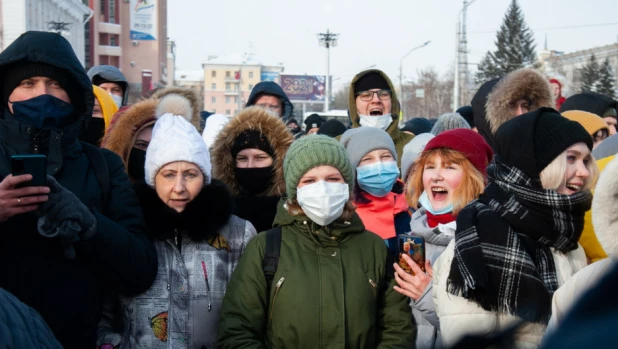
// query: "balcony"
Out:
[232,93]
[109,28]
[231,80]
[107,50]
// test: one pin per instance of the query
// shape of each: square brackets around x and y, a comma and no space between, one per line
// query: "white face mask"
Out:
[381,121]
[323,202]
[117,100]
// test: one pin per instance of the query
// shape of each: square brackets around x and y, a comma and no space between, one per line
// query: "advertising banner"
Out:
[143,15]
[269,76]
[304,87]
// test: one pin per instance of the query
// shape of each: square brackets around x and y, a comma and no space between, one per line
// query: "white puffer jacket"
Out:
[460,317]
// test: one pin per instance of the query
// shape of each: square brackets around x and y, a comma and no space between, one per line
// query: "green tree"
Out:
[589,75]
[606,84]
[515,47]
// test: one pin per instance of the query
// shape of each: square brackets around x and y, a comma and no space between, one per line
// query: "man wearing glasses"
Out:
[373,103]
[269,95]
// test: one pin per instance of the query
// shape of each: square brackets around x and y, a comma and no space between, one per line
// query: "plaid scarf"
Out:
[503,260]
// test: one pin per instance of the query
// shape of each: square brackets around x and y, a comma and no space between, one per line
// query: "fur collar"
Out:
[203,217]
[251,118]
[523,83]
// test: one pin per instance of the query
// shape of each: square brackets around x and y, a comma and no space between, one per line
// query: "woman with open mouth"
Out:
[450,173]
[518,242]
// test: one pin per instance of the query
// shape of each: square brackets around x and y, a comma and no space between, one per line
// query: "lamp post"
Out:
[401,96]
[327,40]
[461,42]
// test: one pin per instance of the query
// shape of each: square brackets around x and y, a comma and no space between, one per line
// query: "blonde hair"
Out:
[294,209]
[471,186]
[554,175]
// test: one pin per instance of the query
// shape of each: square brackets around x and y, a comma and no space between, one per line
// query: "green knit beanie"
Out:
[313,151]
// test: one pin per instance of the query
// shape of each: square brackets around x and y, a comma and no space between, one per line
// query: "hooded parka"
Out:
[119,257]
[108,73]
[273,89]
[258,209]
[331,290]
[399,137]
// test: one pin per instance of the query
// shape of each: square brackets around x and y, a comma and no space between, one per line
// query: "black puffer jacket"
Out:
[119,257]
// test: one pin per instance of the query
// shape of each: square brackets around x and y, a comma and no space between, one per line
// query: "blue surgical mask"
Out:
[378,178]
[424,201]
[43,111]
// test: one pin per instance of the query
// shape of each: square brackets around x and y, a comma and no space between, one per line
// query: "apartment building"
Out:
[228,81]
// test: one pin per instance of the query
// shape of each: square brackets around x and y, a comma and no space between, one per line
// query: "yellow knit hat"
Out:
[108,106]
[591,122]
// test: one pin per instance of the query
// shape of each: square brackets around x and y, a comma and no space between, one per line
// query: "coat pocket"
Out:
[374,288]
[277,289]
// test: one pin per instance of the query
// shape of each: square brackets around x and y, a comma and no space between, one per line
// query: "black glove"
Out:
[64,216]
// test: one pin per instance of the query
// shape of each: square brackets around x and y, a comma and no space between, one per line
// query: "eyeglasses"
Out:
[269,106]
[368,95]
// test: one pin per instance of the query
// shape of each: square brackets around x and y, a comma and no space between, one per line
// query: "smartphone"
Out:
[414,247]
[33,164]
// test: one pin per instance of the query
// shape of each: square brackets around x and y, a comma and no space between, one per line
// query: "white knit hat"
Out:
[175,139]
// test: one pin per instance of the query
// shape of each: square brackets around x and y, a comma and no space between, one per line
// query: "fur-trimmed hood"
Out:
[525,83]
[604,203]
[121,133]
[269,125]
[203,217]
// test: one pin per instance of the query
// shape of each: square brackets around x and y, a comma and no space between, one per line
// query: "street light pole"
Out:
[460,53]
[327,40]
[401,96]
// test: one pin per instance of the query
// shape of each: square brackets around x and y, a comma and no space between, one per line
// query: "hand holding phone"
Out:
[14,201]
[32,164]
[414,247]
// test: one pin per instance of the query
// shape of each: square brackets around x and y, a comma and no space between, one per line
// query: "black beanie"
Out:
[533,140]
[23,70]
[251,139]
[370,81]
[332,128]
[313,121]
[467,113]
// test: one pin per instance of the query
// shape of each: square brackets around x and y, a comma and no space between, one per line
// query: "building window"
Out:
[214,86]
[235,99]
[227,112]
[250,75]
[112,11]
[227,74]
[250,87]
[227,87]
[214,74]
[213,100]
[227,100]
[113,41]
[102,6]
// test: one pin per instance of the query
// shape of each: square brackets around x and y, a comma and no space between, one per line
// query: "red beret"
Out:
[467,142]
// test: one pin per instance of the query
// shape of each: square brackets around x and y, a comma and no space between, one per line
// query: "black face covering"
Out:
[93,132]
[137,160]
[254,180]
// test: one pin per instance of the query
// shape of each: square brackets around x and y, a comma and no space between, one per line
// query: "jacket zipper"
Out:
[35,141]
[277,288]
[374,287]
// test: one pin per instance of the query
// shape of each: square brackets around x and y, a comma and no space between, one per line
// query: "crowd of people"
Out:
[163,226]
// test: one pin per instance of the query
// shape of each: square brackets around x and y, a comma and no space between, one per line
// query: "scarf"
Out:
[434,220]
[378,215]
[502,259]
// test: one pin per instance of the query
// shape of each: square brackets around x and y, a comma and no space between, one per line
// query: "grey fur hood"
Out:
[111,74]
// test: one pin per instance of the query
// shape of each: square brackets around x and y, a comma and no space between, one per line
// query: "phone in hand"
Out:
[32,164]
[414,247]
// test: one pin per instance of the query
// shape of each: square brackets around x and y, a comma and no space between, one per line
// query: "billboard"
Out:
[143,16]
[304,87]
[269,76]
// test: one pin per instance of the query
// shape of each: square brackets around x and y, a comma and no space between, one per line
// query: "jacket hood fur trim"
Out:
[268,124]
[203,217]
[604,202]
[523,83]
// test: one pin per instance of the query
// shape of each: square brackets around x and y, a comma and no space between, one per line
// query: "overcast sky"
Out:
[372,32]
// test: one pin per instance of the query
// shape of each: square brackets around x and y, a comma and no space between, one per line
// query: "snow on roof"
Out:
[189,75]
[234,59]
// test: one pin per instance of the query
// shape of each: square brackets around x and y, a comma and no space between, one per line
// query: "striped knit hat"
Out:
[313,151]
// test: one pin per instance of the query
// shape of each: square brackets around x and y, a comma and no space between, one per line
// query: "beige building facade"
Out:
[228,81]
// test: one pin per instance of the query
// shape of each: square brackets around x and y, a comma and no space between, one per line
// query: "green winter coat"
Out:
[330,290]
[399,137]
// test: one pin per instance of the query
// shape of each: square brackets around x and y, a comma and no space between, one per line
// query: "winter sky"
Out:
[373,32]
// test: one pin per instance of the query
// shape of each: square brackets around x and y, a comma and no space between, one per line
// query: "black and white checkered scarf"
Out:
[502,255]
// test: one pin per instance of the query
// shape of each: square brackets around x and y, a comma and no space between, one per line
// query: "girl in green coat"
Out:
[332,287]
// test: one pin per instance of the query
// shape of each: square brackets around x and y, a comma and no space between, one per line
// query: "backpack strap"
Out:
[101,170]
[271,257]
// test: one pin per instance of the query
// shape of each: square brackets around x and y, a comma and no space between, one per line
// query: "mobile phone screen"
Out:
[413,246]
[35,165]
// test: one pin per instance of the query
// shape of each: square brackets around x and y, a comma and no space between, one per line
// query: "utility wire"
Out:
[555,28]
